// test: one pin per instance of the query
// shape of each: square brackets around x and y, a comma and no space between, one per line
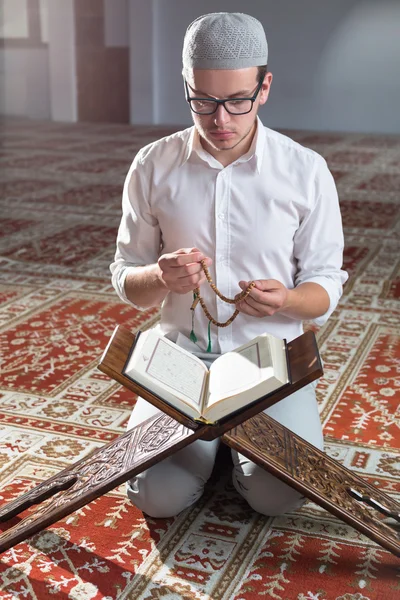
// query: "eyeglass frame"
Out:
[219,102]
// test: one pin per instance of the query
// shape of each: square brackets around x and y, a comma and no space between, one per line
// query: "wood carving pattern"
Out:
[317,476]
[262,439]
[158,435]
[95,475]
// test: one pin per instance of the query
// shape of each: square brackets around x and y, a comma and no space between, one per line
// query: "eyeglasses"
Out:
[234,106]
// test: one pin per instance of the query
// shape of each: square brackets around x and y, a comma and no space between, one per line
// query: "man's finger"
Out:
[254,292]
[179,260]
[245,308]
[187,250]
[193,257]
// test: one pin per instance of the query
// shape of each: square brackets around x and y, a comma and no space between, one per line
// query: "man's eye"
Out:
[203,104]
[237,102]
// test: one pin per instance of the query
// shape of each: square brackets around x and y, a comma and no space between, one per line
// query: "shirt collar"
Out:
[190,144]
[254,154]
[256,150]
[260,144]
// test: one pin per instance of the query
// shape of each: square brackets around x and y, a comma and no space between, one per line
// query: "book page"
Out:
[242,376]
[236,371]
[178,371]
[252,353]
[240,369]
[159,364]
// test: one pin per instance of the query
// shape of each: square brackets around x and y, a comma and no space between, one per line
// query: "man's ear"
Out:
[266,86]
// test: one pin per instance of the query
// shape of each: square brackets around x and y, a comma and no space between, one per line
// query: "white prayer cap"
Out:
[224,41]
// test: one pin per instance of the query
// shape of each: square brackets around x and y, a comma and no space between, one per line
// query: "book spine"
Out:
[131,352]
[288,361]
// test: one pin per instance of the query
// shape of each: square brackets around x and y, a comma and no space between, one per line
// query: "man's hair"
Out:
[261,73]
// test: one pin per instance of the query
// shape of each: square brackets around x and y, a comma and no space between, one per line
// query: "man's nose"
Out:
[221,115]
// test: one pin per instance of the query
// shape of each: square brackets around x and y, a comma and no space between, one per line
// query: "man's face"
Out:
[224,135]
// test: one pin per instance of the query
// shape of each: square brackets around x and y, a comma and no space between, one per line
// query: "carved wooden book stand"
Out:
[253,433]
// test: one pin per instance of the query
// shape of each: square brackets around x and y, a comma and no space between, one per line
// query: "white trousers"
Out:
[178,481]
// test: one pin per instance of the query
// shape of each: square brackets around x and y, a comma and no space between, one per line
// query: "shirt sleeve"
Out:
[318,243]
[139,237]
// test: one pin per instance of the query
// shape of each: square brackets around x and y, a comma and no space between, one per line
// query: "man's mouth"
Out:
[221,134]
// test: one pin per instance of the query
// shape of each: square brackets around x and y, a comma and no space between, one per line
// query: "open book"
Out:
[234,380]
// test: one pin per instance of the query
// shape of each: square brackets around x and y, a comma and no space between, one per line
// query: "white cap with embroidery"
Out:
[224,41]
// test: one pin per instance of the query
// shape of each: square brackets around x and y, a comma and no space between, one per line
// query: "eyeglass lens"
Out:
[232,106]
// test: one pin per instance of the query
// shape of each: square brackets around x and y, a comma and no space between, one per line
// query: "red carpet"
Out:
[60,195]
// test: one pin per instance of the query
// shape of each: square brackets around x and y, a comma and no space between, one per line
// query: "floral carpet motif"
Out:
[60,198]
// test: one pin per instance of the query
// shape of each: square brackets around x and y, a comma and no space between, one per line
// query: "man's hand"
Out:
[267,297]
[181,271]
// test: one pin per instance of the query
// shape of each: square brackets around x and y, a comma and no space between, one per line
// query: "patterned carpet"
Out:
[60,188]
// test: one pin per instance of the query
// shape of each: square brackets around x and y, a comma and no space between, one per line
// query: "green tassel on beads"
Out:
[193,336]
[209,337]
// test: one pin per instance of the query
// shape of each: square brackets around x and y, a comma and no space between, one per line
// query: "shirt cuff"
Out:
[334,290]
[118,282]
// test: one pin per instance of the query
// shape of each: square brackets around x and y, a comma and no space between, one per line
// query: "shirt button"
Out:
[221,216]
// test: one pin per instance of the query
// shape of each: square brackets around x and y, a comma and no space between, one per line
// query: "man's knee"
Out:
[176,482]
[162,491]
[265,493]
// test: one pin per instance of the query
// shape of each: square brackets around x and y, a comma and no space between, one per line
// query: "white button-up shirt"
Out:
[271,214]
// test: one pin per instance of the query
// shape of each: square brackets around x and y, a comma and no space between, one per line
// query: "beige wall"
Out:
[336,63]
[24,73]
[67,60]
[102,71]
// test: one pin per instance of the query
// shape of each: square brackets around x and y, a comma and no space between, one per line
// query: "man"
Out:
[253,204]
